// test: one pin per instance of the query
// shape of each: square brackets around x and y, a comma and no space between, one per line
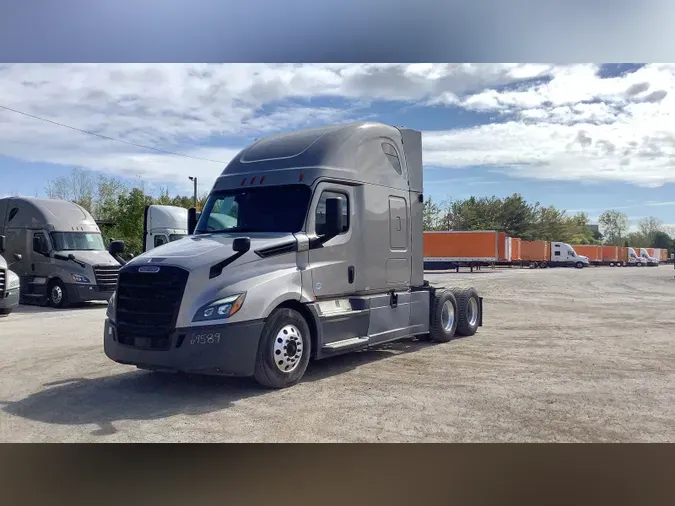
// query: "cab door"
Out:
[333,264]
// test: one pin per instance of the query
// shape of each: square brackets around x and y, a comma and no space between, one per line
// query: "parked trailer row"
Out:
[617,256]
[473,249]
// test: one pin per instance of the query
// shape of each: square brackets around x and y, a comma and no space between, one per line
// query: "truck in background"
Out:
[630,258]
[163,224]
[544,254]
[649,256]
[9,284]
[310,245]
[57,251]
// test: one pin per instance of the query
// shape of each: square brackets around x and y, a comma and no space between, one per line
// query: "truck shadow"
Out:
[144,396]
[35,309]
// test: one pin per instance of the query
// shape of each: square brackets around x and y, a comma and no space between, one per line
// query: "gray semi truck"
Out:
[309,245]
[57,250]
[9,284]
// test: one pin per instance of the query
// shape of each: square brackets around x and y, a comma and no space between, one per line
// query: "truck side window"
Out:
[392,156]
[40,243]
[12,214]
[321,210]
[159,240]
[557,253]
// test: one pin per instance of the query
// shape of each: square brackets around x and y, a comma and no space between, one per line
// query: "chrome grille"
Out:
[106,276]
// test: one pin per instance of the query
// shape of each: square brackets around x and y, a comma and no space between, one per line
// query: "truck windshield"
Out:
[77,241]
[266,209]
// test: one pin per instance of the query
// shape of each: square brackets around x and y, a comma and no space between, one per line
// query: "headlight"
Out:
[13,280]
[112,306]
[220,309]
[79,278]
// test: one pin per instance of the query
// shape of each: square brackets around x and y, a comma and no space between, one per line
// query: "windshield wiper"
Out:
[70,257]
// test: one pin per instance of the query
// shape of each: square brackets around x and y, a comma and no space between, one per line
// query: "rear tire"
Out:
[56,294]
[284,349]
[543,265]
[6,311]
[468,311]
[443,317]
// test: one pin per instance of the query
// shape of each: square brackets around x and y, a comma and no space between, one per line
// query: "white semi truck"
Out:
[9,284]
[163,224]
[309,245]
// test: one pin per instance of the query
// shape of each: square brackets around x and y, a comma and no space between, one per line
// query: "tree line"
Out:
[532,221]
[119,209]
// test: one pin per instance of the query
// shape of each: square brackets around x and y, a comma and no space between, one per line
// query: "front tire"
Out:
[579,265]
[284,349]
[6,311]
[56,294]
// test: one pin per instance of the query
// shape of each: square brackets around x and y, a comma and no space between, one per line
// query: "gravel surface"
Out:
[565,355]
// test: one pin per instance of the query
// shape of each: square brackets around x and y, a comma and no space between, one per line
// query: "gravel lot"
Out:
[565,355]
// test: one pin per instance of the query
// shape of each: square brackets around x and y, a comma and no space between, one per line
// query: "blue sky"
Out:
[580,137]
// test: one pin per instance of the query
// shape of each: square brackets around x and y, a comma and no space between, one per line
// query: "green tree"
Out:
[516,217]
[662,240]
[614,226]
[649,227]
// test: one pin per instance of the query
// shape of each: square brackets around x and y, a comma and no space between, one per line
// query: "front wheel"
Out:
[56,294]
[5,311]
[284,349]
[579,265]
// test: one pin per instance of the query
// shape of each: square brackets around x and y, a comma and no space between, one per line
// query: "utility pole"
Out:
[194,180]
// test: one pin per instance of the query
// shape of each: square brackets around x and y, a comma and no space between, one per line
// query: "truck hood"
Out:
[207,249]
[92,257]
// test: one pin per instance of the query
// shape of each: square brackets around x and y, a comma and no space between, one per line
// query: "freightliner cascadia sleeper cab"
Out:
[309,245]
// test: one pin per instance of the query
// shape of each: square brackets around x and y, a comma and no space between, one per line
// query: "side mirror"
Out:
[192,220]
[241,244]
[116,248]
[17,257]
[38,246]
[333,225]
[2,243]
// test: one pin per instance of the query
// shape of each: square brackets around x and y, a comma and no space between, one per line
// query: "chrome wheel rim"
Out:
[288,348]
[57,295]
[447,316]
[472,311]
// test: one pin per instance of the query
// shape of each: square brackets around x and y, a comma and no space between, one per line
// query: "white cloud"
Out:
[177,107]
[573,125]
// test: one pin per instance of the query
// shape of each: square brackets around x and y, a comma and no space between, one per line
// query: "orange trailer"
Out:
[451,249]
[515,249]
[594,253]
[534,251]
[612,255]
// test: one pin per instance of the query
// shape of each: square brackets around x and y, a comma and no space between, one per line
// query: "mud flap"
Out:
[480,311]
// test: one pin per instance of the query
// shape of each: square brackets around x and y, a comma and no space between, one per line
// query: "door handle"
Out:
[351,274]
[399,223]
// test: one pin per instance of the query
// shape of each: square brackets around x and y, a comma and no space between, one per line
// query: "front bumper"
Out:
[225,349]
[10,299]
[84,293]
